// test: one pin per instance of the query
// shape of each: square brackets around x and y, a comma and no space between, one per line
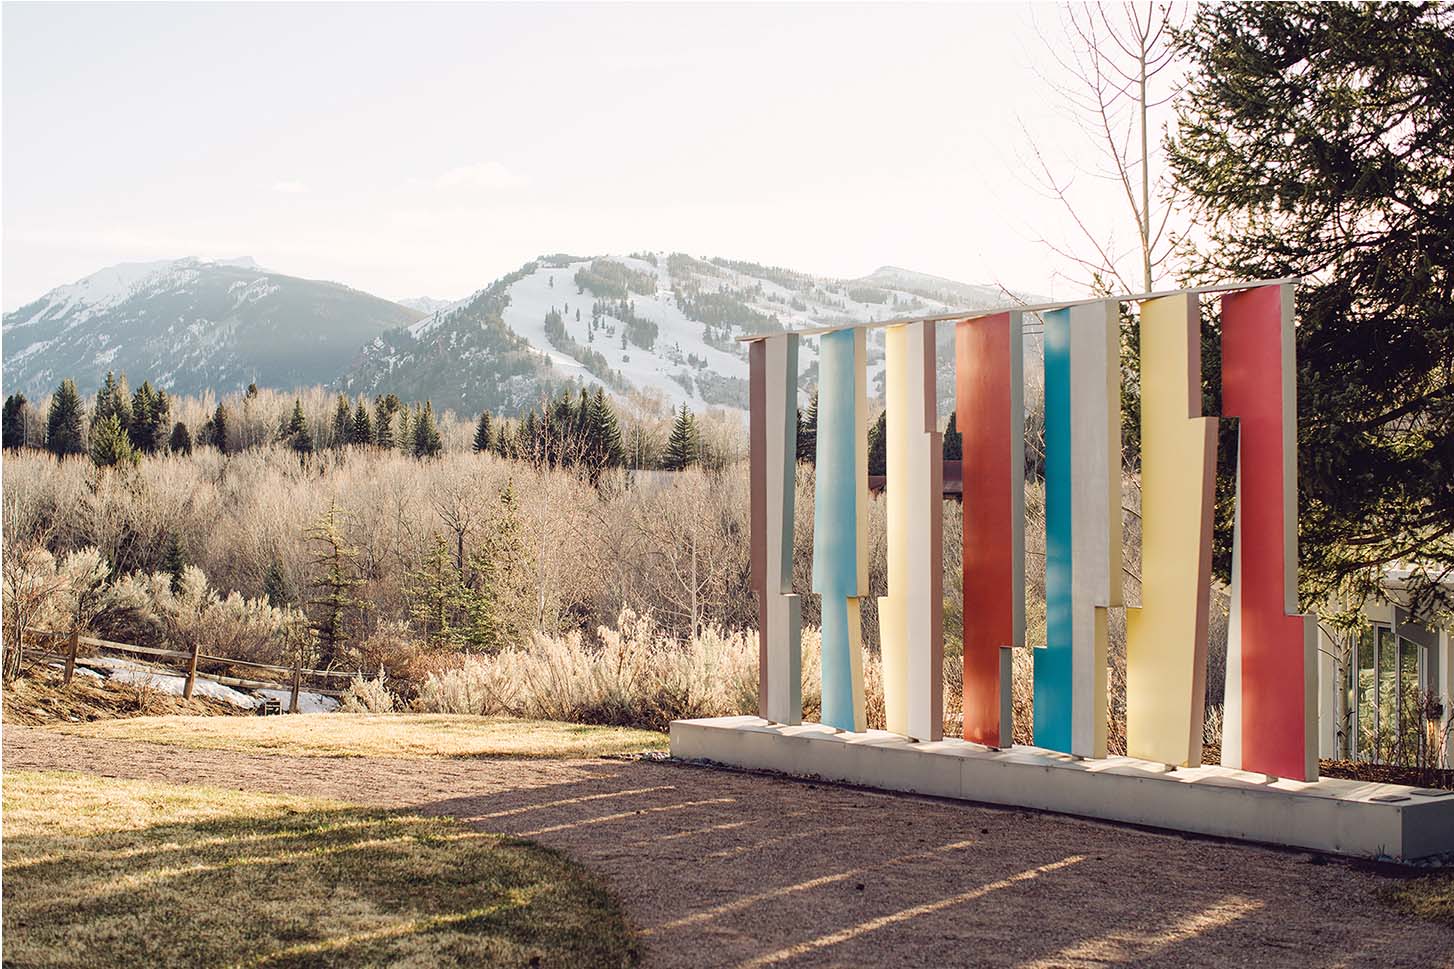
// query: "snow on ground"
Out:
[168,681]
[80,671]
[175,684]
[307,702]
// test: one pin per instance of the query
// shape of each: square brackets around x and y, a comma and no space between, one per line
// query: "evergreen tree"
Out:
[334,575]
[483,436]
[111,400]
[275,585]
[438,600]
[426,436]
[361,430]
[384,408]
[606,432]
[498,612]
[953,440]
[297,435]
[684,447]
[63,422]
[15,433]
[150,411]
[878,445]
[1315,140]
[808,432]
[181,439]
[175,563]
[221,432]
[406,430]
[342,422]
[110,445]
[161,419]
[252,391]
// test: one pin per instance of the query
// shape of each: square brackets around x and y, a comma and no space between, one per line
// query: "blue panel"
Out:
[1055,663]
[835,520]
[835,512]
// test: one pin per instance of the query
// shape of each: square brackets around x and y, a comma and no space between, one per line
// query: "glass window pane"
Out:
[1363,671]
[1386,741]
[1411,728]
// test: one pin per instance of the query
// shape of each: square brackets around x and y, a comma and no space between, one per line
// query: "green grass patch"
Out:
[1430,896]
[100,871]
[380,735]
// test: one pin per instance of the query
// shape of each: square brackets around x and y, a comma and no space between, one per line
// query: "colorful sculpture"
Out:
[1082,525]
[1270,711]
[840,521]
[1166,638]
[911,616]
[990,412]
[1270,715]
[773,433]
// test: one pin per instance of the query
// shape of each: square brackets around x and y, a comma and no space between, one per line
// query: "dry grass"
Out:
[137,873]
[38,698]
[1429,896]
[382,735]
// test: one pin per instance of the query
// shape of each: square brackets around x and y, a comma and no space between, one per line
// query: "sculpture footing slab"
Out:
[1344,817]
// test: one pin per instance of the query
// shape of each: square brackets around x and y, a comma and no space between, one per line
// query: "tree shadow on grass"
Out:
[315,887]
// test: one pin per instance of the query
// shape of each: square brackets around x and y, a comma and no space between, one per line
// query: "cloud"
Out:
[290,187]
[488,176]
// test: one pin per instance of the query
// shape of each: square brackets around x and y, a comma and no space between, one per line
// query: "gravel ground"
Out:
[717,868]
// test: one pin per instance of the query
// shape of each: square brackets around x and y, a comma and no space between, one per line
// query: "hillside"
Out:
[192,325]
[660,323]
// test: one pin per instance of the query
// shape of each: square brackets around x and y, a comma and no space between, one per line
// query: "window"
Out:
[1386,682]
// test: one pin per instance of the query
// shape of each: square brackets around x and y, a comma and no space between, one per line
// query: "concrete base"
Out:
[1365,820]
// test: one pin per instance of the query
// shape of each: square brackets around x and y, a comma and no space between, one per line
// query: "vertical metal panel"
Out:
[1166,638]
[911,615]
[840,529]
[773,372]
[1271,691]
[990,414]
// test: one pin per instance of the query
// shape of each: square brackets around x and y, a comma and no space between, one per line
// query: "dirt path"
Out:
[725,869]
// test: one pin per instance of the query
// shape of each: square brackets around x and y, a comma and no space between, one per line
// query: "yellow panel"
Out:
[1166,639]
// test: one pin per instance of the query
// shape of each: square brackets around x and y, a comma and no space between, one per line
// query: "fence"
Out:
[293,683]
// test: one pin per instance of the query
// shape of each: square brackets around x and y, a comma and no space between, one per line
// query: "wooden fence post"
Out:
[71,651]
[191,671]
[297,684]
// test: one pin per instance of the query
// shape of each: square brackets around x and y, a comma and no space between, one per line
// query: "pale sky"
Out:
[425,150]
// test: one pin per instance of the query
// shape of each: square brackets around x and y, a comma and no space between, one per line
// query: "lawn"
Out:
[382,735]
[136,873]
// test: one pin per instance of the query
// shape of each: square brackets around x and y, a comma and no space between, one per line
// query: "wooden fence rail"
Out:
[294,674]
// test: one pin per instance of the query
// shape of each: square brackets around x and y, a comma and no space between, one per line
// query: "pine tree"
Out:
[483,436]
[406,430]
[15,432]
[181,439]
[63,422]
[684,447]
[334,568]
[808,432]
[878,445]
[175,563]
[342,421]
[498,612]
[607,431]
[275,585]
[110,445]
[111,400]
[437,596]
[426,436]
[384,408]
[161,419]
[953,440]
[220,430]
[361,431]
[298,436]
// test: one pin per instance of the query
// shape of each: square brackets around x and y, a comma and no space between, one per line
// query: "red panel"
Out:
[1273,678]
[982,403]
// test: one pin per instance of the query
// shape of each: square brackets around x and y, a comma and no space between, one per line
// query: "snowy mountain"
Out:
[425,304]
[665,324]
[191,325]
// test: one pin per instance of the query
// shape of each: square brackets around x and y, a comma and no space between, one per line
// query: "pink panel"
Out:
[1258,389]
